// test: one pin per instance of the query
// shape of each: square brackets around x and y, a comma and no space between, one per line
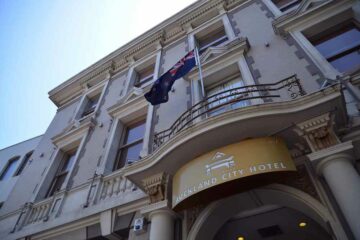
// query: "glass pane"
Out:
[284,5]
[131,154]
[10,169]
[91,105]
[93,101]
[348,62]
[135,133]
[339,43]
[146,73]
[212,39]
[68,162]
[57,185]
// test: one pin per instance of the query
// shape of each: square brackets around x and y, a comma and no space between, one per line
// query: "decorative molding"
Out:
[318,132]
[163,34]
[156,187]
[215,56]
[135,106]
[73,132]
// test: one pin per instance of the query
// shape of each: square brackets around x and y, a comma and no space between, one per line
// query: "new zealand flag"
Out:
[159,91]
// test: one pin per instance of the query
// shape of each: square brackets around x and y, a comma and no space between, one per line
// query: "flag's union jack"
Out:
[159,91]
[190,56]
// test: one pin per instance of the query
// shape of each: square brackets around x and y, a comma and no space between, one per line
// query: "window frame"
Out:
[23,163]
[62,173]
[90,109]
[297,25]
[214,43]
[91,92]
[120,158]
[327,35]
[6,168]
[289,6]
[140,82]
[222,19]
[223,82]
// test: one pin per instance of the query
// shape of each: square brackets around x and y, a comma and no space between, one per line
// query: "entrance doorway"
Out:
[271,222]
[273,212]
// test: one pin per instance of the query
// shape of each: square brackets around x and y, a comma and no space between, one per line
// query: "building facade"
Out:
[266,148]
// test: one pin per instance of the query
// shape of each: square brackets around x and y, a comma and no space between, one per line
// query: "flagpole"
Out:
[198,63]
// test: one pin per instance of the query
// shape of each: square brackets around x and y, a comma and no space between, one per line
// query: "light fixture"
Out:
[302,224]
[240,238]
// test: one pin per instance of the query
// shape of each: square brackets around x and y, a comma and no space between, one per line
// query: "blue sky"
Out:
[43,43]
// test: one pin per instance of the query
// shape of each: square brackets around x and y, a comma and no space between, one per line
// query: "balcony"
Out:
[289,88]
[235,115]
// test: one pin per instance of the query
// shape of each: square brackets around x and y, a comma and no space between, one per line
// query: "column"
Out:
[335,164]
[162,224]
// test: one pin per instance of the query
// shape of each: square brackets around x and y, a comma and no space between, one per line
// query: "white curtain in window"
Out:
[234,83]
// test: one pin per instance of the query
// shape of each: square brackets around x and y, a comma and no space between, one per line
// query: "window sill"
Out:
[90,115]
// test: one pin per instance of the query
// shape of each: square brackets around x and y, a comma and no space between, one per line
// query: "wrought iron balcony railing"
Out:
[228,100]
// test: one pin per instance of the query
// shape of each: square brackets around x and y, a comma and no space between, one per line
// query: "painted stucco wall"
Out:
[95,148]
[27,184]
[6,154]
[179,98]
[282,58]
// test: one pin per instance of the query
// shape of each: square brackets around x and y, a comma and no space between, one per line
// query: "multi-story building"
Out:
[265,148]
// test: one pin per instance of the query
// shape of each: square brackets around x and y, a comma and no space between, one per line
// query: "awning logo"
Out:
[219,160]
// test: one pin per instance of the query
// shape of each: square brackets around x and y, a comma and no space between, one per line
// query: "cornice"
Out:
[122,108]
[74,132]
[163,34]
[216,55]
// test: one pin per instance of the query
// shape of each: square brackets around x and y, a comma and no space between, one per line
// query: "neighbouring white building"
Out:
[270,151]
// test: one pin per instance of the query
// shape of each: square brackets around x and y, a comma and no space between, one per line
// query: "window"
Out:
[91,104]
[131,146]
[62,172]
[9,169]
[220,102]
[144,75]
[341,47]
[23,164]
[214,36]
[285,5]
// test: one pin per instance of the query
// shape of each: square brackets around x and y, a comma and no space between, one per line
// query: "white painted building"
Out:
[268,148]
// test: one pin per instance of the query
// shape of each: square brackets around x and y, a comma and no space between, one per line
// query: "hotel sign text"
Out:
[232,162]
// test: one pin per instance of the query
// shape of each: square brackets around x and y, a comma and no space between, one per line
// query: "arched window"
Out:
[10,168]
[23,163]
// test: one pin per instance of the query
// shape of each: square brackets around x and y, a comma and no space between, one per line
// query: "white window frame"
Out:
[153,58]
[123,115]
[64,142]
[296,31]
[127,111]
[288,10]
[15,158]
[225,21]
[22,162]
[91,92]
